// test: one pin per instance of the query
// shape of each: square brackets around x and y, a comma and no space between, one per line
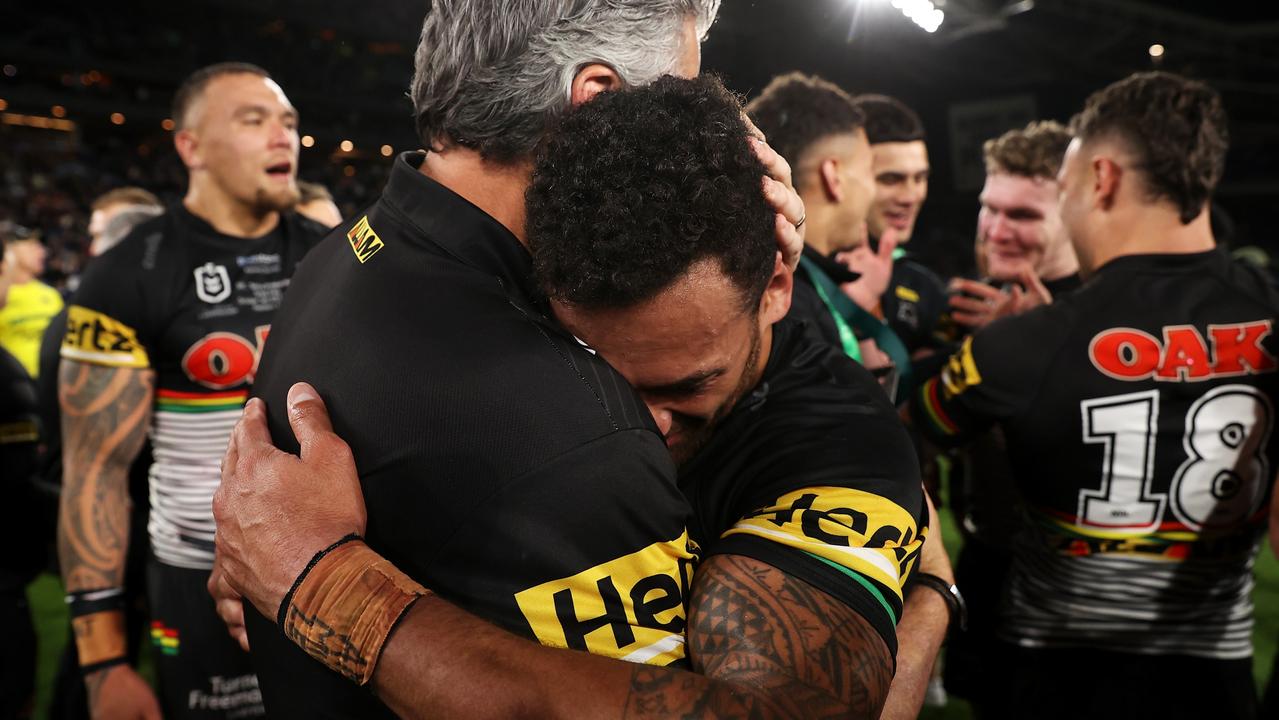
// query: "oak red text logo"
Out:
[1183,353]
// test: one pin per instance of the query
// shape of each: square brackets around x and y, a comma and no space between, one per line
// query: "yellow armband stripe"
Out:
[100,339]
[853,529]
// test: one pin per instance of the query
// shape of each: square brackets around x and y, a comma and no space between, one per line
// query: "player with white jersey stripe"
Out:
[163,339]
[1138,413]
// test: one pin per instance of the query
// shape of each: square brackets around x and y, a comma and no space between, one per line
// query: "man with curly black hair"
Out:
[1140,428]
[662,195]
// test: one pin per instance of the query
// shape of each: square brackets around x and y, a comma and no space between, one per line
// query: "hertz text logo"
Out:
[1183,354]
[364,241]
[853,529]
[633,608]
[101,339]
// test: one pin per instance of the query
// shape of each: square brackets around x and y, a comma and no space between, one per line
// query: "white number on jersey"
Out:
[1222,481]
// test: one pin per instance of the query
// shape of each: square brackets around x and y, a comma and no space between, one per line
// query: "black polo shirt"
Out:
[504,465]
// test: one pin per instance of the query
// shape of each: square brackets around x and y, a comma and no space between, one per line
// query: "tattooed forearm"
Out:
[105,415]
[783,649]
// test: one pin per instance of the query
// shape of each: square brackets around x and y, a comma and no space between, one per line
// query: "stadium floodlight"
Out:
[921,12]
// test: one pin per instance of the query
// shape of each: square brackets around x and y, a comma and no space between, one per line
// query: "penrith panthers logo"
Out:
[212,283]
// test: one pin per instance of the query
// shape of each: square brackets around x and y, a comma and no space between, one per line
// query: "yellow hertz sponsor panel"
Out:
[961,372]
[907,294]
[100,339]
[857,530]
[633,608]
[364,241]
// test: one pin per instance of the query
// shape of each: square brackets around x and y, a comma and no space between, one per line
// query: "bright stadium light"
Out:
[1156,51]
[921,12]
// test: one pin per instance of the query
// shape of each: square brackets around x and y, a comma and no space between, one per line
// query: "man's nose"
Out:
[1000,231]
[281,135]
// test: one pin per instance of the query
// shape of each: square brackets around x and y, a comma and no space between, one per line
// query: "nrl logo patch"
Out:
[212,283]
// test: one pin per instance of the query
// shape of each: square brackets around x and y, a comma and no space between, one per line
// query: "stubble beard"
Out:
[697,438]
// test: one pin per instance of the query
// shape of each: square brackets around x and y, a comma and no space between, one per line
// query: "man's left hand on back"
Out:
[275,510]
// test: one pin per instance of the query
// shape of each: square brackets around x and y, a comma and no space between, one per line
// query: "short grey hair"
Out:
[492,75]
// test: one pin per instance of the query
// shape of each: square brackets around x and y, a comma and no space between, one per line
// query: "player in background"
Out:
[162,340]
[1138,412]
[26,304]
[114,215]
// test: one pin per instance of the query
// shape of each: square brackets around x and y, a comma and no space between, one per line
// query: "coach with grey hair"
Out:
[502,463]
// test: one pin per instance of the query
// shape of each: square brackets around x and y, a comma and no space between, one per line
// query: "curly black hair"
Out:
[635,186]
[889,119]
[1176,127]
[796,110]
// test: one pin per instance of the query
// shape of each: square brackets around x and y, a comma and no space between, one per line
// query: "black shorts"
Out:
[1047,684]
[201,673]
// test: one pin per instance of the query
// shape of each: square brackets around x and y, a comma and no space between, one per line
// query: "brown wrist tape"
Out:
[100,637]
[345,606]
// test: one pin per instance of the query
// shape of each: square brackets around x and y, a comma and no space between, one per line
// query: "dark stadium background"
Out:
[84,91]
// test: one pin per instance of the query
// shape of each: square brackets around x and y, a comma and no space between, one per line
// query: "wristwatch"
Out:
[949,592]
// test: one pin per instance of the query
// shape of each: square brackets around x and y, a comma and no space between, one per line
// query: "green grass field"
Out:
[51,628]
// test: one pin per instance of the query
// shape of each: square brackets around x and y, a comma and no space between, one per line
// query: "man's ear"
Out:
[775,302]
[591,80]
[188,147]
[832,184]
[1107,177]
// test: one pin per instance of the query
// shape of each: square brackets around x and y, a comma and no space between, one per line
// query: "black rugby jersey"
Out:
[915,304]
[194,305]
[813,473]
[504,465]
[1138,412]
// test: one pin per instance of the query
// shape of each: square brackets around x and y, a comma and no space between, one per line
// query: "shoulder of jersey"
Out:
[140,248]
[312,230]
[815,367]
[1254,282]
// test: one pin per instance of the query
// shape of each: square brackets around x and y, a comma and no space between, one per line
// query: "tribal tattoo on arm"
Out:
[105,415]
[782,648]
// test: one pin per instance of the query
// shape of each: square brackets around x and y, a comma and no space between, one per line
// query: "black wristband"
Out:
[90,669]
[949,592]
[88,602]
[283,613]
